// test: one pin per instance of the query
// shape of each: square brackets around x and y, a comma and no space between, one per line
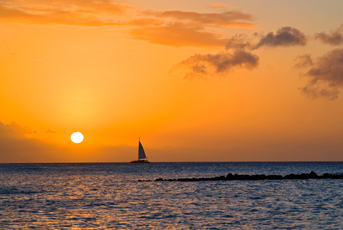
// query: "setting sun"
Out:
[76,137]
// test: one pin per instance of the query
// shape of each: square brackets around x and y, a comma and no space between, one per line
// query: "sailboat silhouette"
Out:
[141,154]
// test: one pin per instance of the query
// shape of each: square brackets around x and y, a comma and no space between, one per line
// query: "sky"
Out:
[195,80]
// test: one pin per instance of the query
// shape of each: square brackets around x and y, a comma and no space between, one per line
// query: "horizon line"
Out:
[157,162]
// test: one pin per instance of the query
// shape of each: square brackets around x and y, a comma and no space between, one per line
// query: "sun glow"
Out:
[76,137]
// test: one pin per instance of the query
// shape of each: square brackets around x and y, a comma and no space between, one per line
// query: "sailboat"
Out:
[141,154]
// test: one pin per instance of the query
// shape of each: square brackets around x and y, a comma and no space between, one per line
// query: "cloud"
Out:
[74,12]
[51,131]
[15,147]
[184,28]
[174,28]
[207,65]
[146,22]
[234,19]
[319,92]
[285,36]
[333,38]
[178,35]
[105,12]
[12,130]
[41,7]
[219,5]
[303,61]
[326,76]
[239,41]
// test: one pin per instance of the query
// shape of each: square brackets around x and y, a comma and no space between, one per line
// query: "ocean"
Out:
[109,195]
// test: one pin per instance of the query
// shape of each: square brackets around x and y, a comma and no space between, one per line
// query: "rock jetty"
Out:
[230,176]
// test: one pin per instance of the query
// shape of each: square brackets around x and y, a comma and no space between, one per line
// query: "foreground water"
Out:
[102,196]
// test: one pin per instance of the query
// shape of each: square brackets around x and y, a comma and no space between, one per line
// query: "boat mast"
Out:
[139,141]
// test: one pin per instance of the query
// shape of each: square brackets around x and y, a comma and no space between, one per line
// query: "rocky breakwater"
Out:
[230,176]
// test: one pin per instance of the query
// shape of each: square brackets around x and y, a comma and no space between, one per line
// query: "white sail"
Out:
[141,153]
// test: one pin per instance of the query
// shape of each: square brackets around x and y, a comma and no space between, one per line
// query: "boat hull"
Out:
[140,161]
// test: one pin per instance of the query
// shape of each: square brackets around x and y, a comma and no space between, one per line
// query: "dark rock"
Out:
[326,175]
[275,177]
[313,175]
[229,176]
[290,176]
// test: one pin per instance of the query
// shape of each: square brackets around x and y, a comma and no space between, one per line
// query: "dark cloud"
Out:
[333,38]
[303,61]
[206,65]
[326,76]
[285,36]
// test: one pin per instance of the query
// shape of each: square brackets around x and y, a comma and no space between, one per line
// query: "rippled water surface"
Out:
[102,196]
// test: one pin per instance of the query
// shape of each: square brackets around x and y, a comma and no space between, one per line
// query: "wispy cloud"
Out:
[335,37]
[233,19]
[316,92]
[326,76]
[178,35]
[74,12]
[12,130]
[184,28]
[239,41]
[303,61]
[174,28]
[219,5]
[209,65]
[104,12]
[15,147]
[51,131]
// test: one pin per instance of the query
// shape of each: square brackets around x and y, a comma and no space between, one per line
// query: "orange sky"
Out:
[196,81]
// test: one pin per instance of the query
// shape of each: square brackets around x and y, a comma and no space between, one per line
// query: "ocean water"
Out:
[108,195]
